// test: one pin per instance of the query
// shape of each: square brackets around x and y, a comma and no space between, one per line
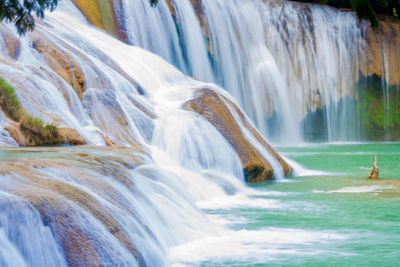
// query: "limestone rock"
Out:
[53,199]
[71,136]
[60,62]
[14,132]
[387,39]
[68,136]
[105,15]
[13,44]
[217,110]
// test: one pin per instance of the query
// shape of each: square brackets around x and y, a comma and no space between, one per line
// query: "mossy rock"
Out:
[257,173]
[39,134]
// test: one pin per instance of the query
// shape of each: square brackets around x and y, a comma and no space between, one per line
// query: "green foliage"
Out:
[9,101]
[365,11]
[22,13]
[327,2]
[34,129]
[381,120]
[381,3]
[38,133]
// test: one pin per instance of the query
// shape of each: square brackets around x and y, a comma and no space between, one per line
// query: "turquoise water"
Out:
[337,217]
[340,218]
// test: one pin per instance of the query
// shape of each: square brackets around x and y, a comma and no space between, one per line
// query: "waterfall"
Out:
[132,204]
[175,120]
[290,65]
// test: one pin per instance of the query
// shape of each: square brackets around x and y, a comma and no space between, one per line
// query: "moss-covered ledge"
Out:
[31,131]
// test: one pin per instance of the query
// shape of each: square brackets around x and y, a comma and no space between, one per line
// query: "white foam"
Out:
[364,168]
[256,246]
[299,170]
[227,220]
[259,192]
[358,189]
[239,201]
[318,191]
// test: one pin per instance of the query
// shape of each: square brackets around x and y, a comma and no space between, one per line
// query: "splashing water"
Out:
[288,64]
[120,206]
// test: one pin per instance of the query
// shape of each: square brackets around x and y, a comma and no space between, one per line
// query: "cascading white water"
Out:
[281,60]
[100,199]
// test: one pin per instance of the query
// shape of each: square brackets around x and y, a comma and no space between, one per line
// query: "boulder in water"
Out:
[219,111]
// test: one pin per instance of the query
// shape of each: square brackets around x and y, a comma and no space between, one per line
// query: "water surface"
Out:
[340,218]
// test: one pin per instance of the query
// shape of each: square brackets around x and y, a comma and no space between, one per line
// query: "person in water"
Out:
[374,174]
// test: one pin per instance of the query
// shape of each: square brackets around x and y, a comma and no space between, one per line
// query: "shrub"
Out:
[34,129]
[38,133]
[9,101]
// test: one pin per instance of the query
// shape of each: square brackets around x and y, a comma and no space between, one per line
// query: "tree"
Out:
[22,12]
[366,9]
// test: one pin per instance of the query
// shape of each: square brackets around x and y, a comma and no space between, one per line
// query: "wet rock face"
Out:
[78,221]
[104,108]
[255,174]
[384,44]
[105,15]
[60,62]
[10,41]
[71,136]
[217,110]
[65,136]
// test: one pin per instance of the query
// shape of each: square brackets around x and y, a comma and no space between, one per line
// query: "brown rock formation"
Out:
[11,41]
[60,62]
[384,44]
[67,136]
[103,14]
[15,133]
[71,136]
[216,109]
[63,206]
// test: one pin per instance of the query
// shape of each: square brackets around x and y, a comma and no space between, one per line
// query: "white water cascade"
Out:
[143,204]
[283,61]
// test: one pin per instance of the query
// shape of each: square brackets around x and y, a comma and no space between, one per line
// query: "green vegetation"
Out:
[22,13]
[34,129]
[38,133]
[9,101]
[365,9]
[379,109]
